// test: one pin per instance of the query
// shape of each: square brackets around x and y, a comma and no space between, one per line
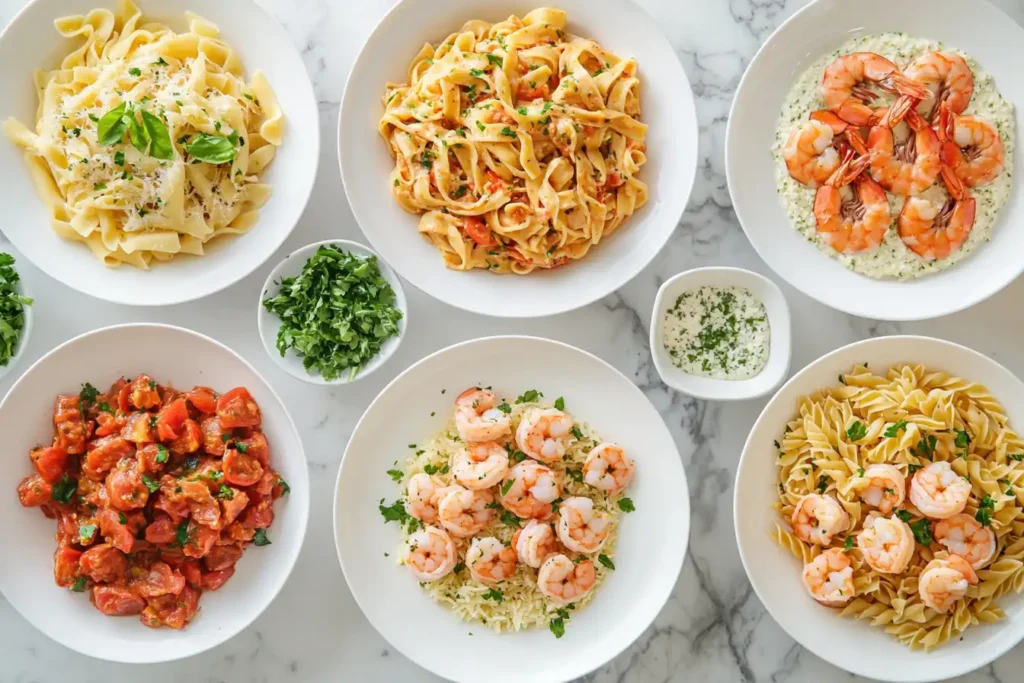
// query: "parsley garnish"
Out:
[152,485]
[494,594]
[559,403]
[530,396]
[181,534]
[88,393]
[494,59]
[260,538]
[857,431]
[626,505]
[509,519]
[507,486]
[79,585]
[848,543]
[557,624]
[64,489]
[226,492]
[894,429]
[135,71]
[162,454]
[508,132]
[985,509]
[922,529]
[85,533]
[285,488]
[606,561]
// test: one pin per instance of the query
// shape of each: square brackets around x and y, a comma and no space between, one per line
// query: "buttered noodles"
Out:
[518,143]
[902,493]
[149,143]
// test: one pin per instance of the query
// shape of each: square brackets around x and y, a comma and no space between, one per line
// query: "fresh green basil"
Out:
[212,149]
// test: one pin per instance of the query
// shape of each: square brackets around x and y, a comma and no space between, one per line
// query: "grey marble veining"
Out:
[713,628]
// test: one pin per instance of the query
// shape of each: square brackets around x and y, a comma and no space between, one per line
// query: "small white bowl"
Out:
[269,323]
[26,331]
[724,389]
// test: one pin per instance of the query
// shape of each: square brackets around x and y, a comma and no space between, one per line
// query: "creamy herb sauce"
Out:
[719,332]
[893,259]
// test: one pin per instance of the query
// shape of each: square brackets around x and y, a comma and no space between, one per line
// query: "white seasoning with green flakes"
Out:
[718,332]
[892,259]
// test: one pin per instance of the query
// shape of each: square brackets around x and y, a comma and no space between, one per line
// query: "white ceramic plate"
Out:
[26,331]
[183,359]
[651,541]
[775,573]
[667,107]
[269,324]
[974,26]
[710,388]
[30,41]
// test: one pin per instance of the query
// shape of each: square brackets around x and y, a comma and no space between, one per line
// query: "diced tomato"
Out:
[256,446]
[160,580]
[117,601]
[213,580]
[124,401]
[71,429]
[204,399]
[144,393]
[169,396]
[192,573]
[162,530]
[119,534]
[206,512]
[241,469]
[189,440]
[125,488]
[108,423]
[259,516]
[68,524]
[103,563]
[34,491]
[200,540]
[105,453]
[526,92]
[172,610]
[153,457]
[222,557]
[66,408]
[175,507]
[478,231]
[213,432]
[236,532]
[238,409]
[232,507]
[496,184]
[65,564]
[50,462]
[139,428]
[171,420]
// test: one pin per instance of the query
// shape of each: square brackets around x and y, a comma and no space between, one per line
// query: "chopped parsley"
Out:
[985,509]
[922,529]
[507,486]
[856,431]
[226,492]
[260,538]
[530,396]
[559,403]
[86,533]
[162,454]
[626,505]
[606,561]
[894,429]
[152,485]
[848,543]
[64,489]
[79,585]
[494,594]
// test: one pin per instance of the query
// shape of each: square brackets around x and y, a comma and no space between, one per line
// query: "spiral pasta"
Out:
[908,417]
[518,143]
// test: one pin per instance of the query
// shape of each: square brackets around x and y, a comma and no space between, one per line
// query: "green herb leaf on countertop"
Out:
[336,314]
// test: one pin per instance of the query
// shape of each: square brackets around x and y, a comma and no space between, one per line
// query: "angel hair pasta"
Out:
[149,143]
[518,143]
[901,495]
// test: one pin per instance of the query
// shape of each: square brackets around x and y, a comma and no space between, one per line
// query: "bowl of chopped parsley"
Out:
[15,315]
[332,312]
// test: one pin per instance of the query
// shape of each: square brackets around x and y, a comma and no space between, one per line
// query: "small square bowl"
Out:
[725,389]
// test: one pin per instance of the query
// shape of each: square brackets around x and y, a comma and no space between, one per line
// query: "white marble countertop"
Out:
[713,628]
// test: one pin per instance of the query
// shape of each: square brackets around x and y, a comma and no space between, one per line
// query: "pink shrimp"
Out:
[934,228]
[816,147]
[909,166]
[949,81]
[971,146]
[852,221]
[847,84]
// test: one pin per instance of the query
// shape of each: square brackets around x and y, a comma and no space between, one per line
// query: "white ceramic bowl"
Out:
[30,42]
[720,389]
[26,331]
[269,324]
[775,573]
[651,541]
[976,27]
[672,140]
[180,358]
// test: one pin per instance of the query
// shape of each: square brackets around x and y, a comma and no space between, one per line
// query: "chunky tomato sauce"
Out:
[156,494]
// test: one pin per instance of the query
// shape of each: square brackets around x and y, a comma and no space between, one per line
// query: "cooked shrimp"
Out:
[480,465]
[532,489]
[935,224]
[856,220]
[580,528]
[542,434]
[963,535]
[422,496]
[815,148]
[948,79]
[887,544]
[886,487]
[477,417]
[829,578]
[847,84]
[939,492]
[909,165]
[608,468]
[944,581]
[463,512]
[534,543]
[490,561]
[816,518]
[562,581]
[972,147]
[432,554]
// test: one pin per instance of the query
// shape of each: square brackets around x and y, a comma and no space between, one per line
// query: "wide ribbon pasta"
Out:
[518,143]
[127,203]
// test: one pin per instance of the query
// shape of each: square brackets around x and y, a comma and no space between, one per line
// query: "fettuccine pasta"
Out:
[917,421]
[518,143]
[149,143]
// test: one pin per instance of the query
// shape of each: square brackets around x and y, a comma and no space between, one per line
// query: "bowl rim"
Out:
[225,635]
[684,501]
[733,390]
[957,304]
[234,277]
[263,316]
[26,330]
[423,284]
[748,562]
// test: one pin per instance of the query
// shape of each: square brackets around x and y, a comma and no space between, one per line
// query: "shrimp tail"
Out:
[906,86]
[849,170]
[856,113]
[947,123]
[954,185]
[830,119]
[899,111]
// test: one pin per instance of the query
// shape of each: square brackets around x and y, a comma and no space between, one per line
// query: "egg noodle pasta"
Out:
[518,143]
[910,417]
[149,143]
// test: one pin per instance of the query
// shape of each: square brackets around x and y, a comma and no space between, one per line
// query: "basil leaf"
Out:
[156,131]
[112,126]
[138,135]
[212,149]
